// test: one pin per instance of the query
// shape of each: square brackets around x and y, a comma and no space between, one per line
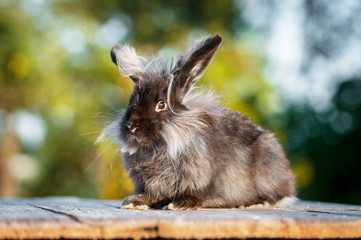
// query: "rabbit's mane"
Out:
[186,127]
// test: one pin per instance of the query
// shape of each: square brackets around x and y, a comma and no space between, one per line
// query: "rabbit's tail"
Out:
[286,201]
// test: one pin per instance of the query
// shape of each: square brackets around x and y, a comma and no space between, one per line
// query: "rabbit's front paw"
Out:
[138,202]
[184,203]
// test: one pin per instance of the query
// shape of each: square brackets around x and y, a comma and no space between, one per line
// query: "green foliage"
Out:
[329,142]
[55,66]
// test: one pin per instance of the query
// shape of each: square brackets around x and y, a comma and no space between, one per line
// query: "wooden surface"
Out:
[69,217]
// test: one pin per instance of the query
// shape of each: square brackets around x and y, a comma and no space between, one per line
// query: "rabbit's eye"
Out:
[161,106]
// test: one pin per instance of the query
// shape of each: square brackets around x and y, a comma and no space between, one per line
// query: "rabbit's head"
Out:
[160,93]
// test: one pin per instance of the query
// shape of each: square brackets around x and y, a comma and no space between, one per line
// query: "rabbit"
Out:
[184,151]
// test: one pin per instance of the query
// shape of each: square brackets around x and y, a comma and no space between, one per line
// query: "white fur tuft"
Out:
[180,137]
[187,128]
[112,133]
[131,64]
[109,132]
[287,201]
[128,61]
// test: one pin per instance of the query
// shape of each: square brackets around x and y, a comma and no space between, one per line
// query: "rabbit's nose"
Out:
[132,129]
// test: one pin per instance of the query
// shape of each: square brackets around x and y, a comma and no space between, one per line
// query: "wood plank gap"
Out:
[110,205]
[72,217]
[334,213]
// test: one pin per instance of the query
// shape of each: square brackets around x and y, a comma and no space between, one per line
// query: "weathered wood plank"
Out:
[68,217]
[20,220]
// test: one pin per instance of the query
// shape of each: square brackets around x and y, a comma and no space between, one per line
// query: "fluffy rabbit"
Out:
[182,150]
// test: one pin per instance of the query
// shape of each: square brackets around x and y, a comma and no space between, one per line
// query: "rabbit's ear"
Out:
[193,62]
[128,62]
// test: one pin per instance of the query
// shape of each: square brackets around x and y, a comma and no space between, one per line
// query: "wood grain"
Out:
[70,217]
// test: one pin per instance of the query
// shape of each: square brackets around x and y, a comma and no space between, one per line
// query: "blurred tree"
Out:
[59,88]
[313,49]
[330,29]
[327,144]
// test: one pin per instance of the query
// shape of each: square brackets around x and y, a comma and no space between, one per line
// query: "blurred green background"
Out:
[59,89]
